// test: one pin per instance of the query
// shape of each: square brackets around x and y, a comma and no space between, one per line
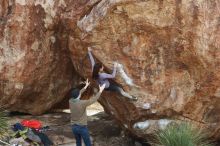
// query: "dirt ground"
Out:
[103,130]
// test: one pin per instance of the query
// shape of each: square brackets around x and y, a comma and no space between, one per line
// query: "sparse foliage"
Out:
[3,124]
[183,134]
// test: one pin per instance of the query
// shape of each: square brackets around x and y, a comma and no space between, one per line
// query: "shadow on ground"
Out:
[103,130]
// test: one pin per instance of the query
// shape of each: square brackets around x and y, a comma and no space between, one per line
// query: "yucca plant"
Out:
[3,124]
[4,127]
[183,134]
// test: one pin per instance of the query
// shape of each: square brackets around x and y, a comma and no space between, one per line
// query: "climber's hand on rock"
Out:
[89,49]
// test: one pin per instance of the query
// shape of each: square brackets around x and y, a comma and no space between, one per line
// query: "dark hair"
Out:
[96,69]
[75,93]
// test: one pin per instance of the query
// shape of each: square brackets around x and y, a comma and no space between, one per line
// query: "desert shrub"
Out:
[183,134]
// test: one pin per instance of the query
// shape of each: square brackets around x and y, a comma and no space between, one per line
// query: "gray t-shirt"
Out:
[78,109]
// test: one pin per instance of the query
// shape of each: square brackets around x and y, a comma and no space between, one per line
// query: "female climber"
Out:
[102,77]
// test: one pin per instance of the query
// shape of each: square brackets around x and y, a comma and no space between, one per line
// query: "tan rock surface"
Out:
[35,68]
[169,49]
[170,52]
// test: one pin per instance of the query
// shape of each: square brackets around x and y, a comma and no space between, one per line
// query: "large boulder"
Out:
[35,67]
[170,53]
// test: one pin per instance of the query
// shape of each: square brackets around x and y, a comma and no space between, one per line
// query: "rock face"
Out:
[169,51]
[35,68]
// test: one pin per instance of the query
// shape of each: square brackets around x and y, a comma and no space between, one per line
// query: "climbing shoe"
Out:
[134,98]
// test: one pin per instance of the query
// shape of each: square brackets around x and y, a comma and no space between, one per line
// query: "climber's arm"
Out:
[109,76]
[91,58]
[85,87]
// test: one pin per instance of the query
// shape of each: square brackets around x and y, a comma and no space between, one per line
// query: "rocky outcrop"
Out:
[35,68]
[169,53]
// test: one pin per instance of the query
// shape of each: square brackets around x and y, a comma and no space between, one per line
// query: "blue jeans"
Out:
[81,132]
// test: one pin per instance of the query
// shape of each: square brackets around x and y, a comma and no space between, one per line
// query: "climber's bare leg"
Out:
[125,94]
